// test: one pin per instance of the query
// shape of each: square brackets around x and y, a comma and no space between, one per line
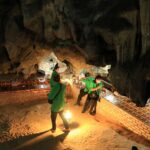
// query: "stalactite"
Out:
[145,24]
[138,39]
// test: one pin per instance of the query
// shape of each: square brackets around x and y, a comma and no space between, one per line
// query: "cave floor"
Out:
[26,126]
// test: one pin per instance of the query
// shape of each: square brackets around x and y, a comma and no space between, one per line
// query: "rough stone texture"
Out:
[123,112]
[145,28]
[105,32]
[17,96]
[128,119]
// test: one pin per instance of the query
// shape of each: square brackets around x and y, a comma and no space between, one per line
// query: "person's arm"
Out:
[52,82]
[54,91]
[95,89]
[100,86]
[103,89]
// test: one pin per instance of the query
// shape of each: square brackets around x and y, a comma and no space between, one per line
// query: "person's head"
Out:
[98,79]
[87,74]
[56,78]
[56,68]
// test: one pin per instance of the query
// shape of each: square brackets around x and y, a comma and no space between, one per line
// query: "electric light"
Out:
[111,98]
[67,115]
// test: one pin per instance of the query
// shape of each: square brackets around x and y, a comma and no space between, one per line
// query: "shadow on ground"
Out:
[72,125]
[40,141]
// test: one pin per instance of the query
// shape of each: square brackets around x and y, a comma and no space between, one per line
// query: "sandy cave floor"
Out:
[26,127]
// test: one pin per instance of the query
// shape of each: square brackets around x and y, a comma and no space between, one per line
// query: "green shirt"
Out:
[92,84]
[88,83]
[58,98]
[52,82]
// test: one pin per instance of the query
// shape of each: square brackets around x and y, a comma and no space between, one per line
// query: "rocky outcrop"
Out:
[103,31]
[145,22]
[132,78]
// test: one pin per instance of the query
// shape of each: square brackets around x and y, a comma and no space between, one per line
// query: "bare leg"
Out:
[53,120]
[65,122]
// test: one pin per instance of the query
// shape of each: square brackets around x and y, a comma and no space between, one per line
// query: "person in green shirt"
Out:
[94,89]
[57,95]
[84,90]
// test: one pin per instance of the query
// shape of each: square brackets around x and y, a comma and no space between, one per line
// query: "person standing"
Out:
[94,90]
[86,80]
[57,98]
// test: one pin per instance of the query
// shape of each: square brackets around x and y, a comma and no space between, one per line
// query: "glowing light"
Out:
[69,81]
[42,86]
[68,115]
[111,98]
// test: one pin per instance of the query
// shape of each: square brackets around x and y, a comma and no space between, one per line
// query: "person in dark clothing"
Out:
[57,95]
[54,73]
[84,91]
[94,91]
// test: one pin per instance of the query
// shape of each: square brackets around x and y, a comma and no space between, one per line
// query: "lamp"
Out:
[67,115]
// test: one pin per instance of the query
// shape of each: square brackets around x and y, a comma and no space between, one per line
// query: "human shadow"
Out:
[41,141]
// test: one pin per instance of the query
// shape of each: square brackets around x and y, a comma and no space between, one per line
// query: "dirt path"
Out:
[26,126]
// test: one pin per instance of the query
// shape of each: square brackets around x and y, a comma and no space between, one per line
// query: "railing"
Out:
[22,85]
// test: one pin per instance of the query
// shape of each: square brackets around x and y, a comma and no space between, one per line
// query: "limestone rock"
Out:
[104,32]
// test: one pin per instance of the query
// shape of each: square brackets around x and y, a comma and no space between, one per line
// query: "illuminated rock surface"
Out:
[103,32]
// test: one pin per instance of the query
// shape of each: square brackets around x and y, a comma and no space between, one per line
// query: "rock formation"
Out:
[115,32]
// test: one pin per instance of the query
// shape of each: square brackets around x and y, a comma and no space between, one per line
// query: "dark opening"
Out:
[4,54]
[147,91]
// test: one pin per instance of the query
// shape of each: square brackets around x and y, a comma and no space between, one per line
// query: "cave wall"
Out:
[131,76]
[103,31]
[145,25]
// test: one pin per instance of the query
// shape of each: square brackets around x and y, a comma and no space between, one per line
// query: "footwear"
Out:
[92,113]
[83,111]
[66,130]
[52,130]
